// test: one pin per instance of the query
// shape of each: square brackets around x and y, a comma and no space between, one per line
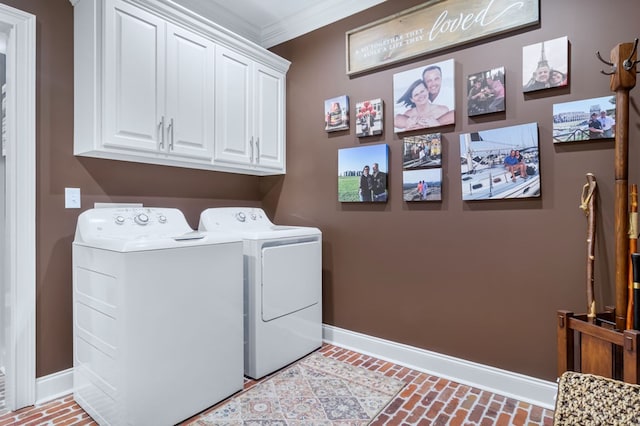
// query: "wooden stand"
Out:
[597,348]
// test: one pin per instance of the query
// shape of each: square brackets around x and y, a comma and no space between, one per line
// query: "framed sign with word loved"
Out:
[432,26]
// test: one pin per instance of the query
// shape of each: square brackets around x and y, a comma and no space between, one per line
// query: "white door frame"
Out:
[20,274]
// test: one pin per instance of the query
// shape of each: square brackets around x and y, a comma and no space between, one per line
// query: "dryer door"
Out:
[291,278]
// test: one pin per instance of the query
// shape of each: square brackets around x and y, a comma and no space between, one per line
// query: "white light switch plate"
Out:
[72,198]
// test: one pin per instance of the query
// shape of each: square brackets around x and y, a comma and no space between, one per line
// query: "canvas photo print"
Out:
[362,174]
[545,65]
[486,92]
[369,121]
[422,184]
[500,163]
[422,151]
[424,97]
[336,113]
[584,120]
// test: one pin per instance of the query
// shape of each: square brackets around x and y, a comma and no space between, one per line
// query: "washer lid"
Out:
[139,229]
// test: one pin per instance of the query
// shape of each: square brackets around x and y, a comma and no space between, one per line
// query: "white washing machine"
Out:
[282,285]
[157,316]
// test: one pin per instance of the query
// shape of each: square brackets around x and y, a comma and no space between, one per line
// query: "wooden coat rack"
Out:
[623,79]
[603,346]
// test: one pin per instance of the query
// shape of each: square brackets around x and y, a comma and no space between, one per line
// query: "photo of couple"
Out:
[362,173]
[485,92]
[424,97]
[584,120]
[545,65]
[500,163]
[422,184]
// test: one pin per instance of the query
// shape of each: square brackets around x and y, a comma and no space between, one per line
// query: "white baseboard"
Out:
[513,385]
[54,386]
[503,382]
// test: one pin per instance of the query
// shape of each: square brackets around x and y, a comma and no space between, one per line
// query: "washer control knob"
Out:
[241,216]
[141,219]
[119,220]
[162,219]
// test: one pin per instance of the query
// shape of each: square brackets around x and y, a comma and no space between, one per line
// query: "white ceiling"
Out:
[270,22]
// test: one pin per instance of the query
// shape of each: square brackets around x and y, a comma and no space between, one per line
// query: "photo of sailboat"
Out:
[500,163]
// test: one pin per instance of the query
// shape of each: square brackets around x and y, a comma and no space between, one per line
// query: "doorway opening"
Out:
[3,180]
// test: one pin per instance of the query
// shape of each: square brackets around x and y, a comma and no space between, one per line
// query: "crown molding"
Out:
[287,28]
[320,15]
[223,17]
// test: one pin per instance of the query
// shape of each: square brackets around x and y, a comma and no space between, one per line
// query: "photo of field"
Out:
[362,173]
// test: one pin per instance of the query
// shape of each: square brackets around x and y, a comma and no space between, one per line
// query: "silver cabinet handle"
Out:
[161,132]
[251,144]
[170,128]
[257,150]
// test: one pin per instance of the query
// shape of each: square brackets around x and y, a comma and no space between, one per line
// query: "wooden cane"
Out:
[588,204]
[633,247]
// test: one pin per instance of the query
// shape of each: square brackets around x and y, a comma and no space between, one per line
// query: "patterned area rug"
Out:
[316,391]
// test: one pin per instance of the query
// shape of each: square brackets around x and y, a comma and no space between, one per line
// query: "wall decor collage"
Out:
[499,163]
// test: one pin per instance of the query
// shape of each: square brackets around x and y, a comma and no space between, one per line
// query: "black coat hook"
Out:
[611,64]
[628,64]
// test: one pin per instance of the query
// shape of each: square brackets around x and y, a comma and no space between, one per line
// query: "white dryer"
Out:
[282,286]
[157,316]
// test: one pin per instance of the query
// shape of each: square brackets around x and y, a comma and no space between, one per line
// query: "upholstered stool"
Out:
[587,399]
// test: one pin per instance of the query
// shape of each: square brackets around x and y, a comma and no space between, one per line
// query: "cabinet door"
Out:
[269,119]
[134,77]
[190,94]
[233,116]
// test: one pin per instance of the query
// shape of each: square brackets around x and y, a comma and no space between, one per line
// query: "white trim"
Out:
[223,17]
[20,202]
[513,385]
[502,382]
[54,386]
[276,30]
[171,11]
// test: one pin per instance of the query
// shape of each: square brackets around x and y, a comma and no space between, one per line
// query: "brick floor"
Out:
[426,400]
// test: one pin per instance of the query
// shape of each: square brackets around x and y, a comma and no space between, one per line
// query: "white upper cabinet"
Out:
[134,78]
[249,113]
[234,109]
[269,89]
[190,94]
[158,85]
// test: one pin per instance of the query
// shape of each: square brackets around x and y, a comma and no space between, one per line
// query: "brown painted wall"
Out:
[480,281]
[476,280]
